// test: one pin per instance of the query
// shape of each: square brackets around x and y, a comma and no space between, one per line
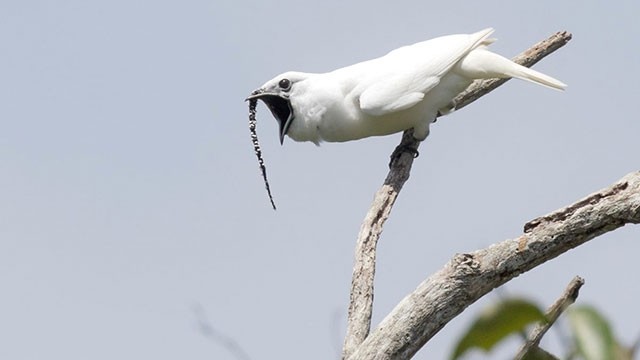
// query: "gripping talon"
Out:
[399,150]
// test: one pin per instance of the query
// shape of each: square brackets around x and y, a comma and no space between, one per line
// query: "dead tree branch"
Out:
[467,277]
[361,300]
[568,297]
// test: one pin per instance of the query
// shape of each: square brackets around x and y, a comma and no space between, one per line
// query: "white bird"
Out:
[403,89]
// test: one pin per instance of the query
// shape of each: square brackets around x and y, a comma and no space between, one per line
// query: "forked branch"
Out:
[467,277]
[361,300]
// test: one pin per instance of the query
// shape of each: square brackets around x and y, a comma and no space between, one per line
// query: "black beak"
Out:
[280,107]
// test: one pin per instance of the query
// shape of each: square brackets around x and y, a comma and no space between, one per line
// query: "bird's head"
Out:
[276,94]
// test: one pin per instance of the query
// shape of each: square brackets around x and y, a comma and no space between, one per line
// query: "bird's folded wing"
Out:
[394,93]
[401,79]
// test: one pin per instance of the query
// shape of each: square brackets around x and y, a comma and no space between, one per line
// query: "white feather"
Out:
[483,64]
[401,90]
[401,78]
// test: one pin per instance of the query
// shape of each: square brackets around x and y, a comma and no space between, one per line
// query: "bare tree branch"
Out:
[361,300]
[553,313]
[467,277]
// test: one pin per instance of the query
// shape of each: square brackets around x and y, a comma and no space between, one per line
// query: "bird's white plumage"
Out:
[403,89]
[407,74]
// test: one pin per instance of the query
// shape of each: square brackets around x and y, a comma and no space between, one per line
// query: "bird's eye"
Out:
[285,84]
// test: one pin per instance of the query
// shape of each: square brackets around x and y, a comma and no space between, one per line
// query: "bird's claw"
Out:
[400,149]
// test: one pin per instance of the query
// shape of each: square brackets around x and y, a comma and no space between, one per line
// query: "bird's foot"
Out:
[400,149]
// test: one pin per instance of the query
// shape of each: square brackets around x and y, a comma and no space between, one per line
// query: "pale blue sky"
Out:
[130,192]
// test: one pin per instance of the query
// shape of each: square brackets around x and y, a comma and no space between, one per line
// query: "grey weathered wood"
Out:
[467,277]
[361,300]
[361,296]
[567,298]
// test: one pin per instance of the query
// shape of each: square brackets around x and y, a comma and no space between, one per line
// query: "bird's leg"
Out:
[409,145]
[399,150]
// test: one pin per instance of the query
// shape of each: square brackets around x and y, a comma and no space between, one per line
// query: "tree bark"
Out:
[467,277]
[361,299]
[568,297]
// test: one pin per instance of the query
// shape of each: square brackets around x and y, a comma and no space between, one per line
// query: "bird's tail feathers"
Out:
[483,64]
[536,77]
[482,38]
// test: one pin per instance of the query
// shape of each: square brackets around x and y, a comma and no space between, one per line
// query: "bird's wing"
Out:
[401,79]
[394,93]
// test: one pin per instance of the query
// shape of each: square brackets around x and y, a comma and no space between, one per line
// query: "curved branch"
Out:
[467,277]
[361,298]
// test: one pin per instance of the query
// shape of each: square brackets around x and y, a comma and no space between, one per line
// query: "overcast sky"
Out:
[130,192]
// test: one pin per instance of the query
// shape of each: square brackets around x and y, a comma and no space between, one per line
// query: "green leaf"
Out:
[592,333]
[497,322]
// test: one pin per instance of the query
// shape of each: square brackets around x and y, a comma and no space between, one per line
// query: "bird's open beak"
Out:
[280,107]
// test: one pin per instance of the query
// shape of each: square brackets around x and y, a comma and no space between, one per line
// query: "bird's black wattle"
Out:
[281,109]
